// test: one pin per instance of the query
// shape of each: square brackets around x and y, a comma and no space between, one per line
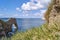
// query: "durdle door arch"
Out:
[6,27]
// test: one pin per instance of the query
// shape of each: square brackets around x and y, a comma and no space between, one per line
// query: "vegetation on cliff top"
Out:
[41,33]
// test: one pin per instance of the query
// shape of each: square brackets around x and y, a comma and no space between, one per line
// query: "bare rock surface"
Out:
[54,16]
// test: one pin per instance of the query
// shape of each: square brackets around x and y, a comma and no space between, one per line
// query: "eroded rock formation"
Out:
[54,16]
[53,12]
[6,27]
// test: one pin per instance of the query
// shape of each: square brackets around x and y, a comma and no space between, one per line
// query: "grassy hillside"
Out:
[41,33]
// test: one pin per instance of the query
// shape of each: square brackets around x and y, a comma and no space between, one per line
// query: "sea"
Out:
[27,23]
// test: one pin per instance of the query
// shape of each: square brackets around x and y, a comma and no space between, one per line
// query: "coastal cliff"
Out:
[54,15]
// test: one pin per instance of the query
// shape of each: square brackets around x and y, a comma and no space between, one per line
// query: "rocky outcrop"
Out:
[6,27]
[54,16]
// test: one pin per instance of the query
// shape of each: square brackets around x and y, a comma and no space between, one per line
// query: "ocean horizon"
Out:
[27,23]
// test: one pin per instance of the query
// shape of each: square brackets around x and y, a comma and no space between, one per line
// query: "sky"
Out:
[23,8]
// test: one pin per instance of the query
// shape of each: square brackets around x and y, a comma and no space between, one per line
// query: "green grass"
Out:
[5,38]
[43,32]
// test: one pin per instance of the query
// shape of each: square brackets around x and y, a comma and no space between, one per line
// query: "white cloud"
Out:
[1,14]
[31,6]
[45,1]
[43,11]
[37,14]
[15,15]
[25,15]
[9,16]
[42,14]
[26,6]
[17,8]
[34,6]
[19,16]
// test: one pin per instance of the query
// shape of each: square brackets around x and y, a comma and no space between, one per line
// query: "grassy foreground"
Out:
[41,33]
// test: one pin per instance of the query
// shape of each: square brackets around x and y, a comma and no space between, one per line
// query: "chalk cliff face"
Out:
[54,16]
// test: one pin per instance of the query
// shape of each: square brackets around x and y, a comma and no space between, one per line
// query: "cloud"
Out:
[17,8]
[43,11]
[34,8]
[34,4]
[26,6]
[18,15]
[1,14]
[42,14]
[25,15]
[37,14]
[45,1]
[31,6]
[15,15]
[9,15]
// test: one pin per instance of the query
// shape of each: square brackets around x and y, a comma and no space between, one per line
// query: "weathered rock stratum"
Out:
[54,16]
